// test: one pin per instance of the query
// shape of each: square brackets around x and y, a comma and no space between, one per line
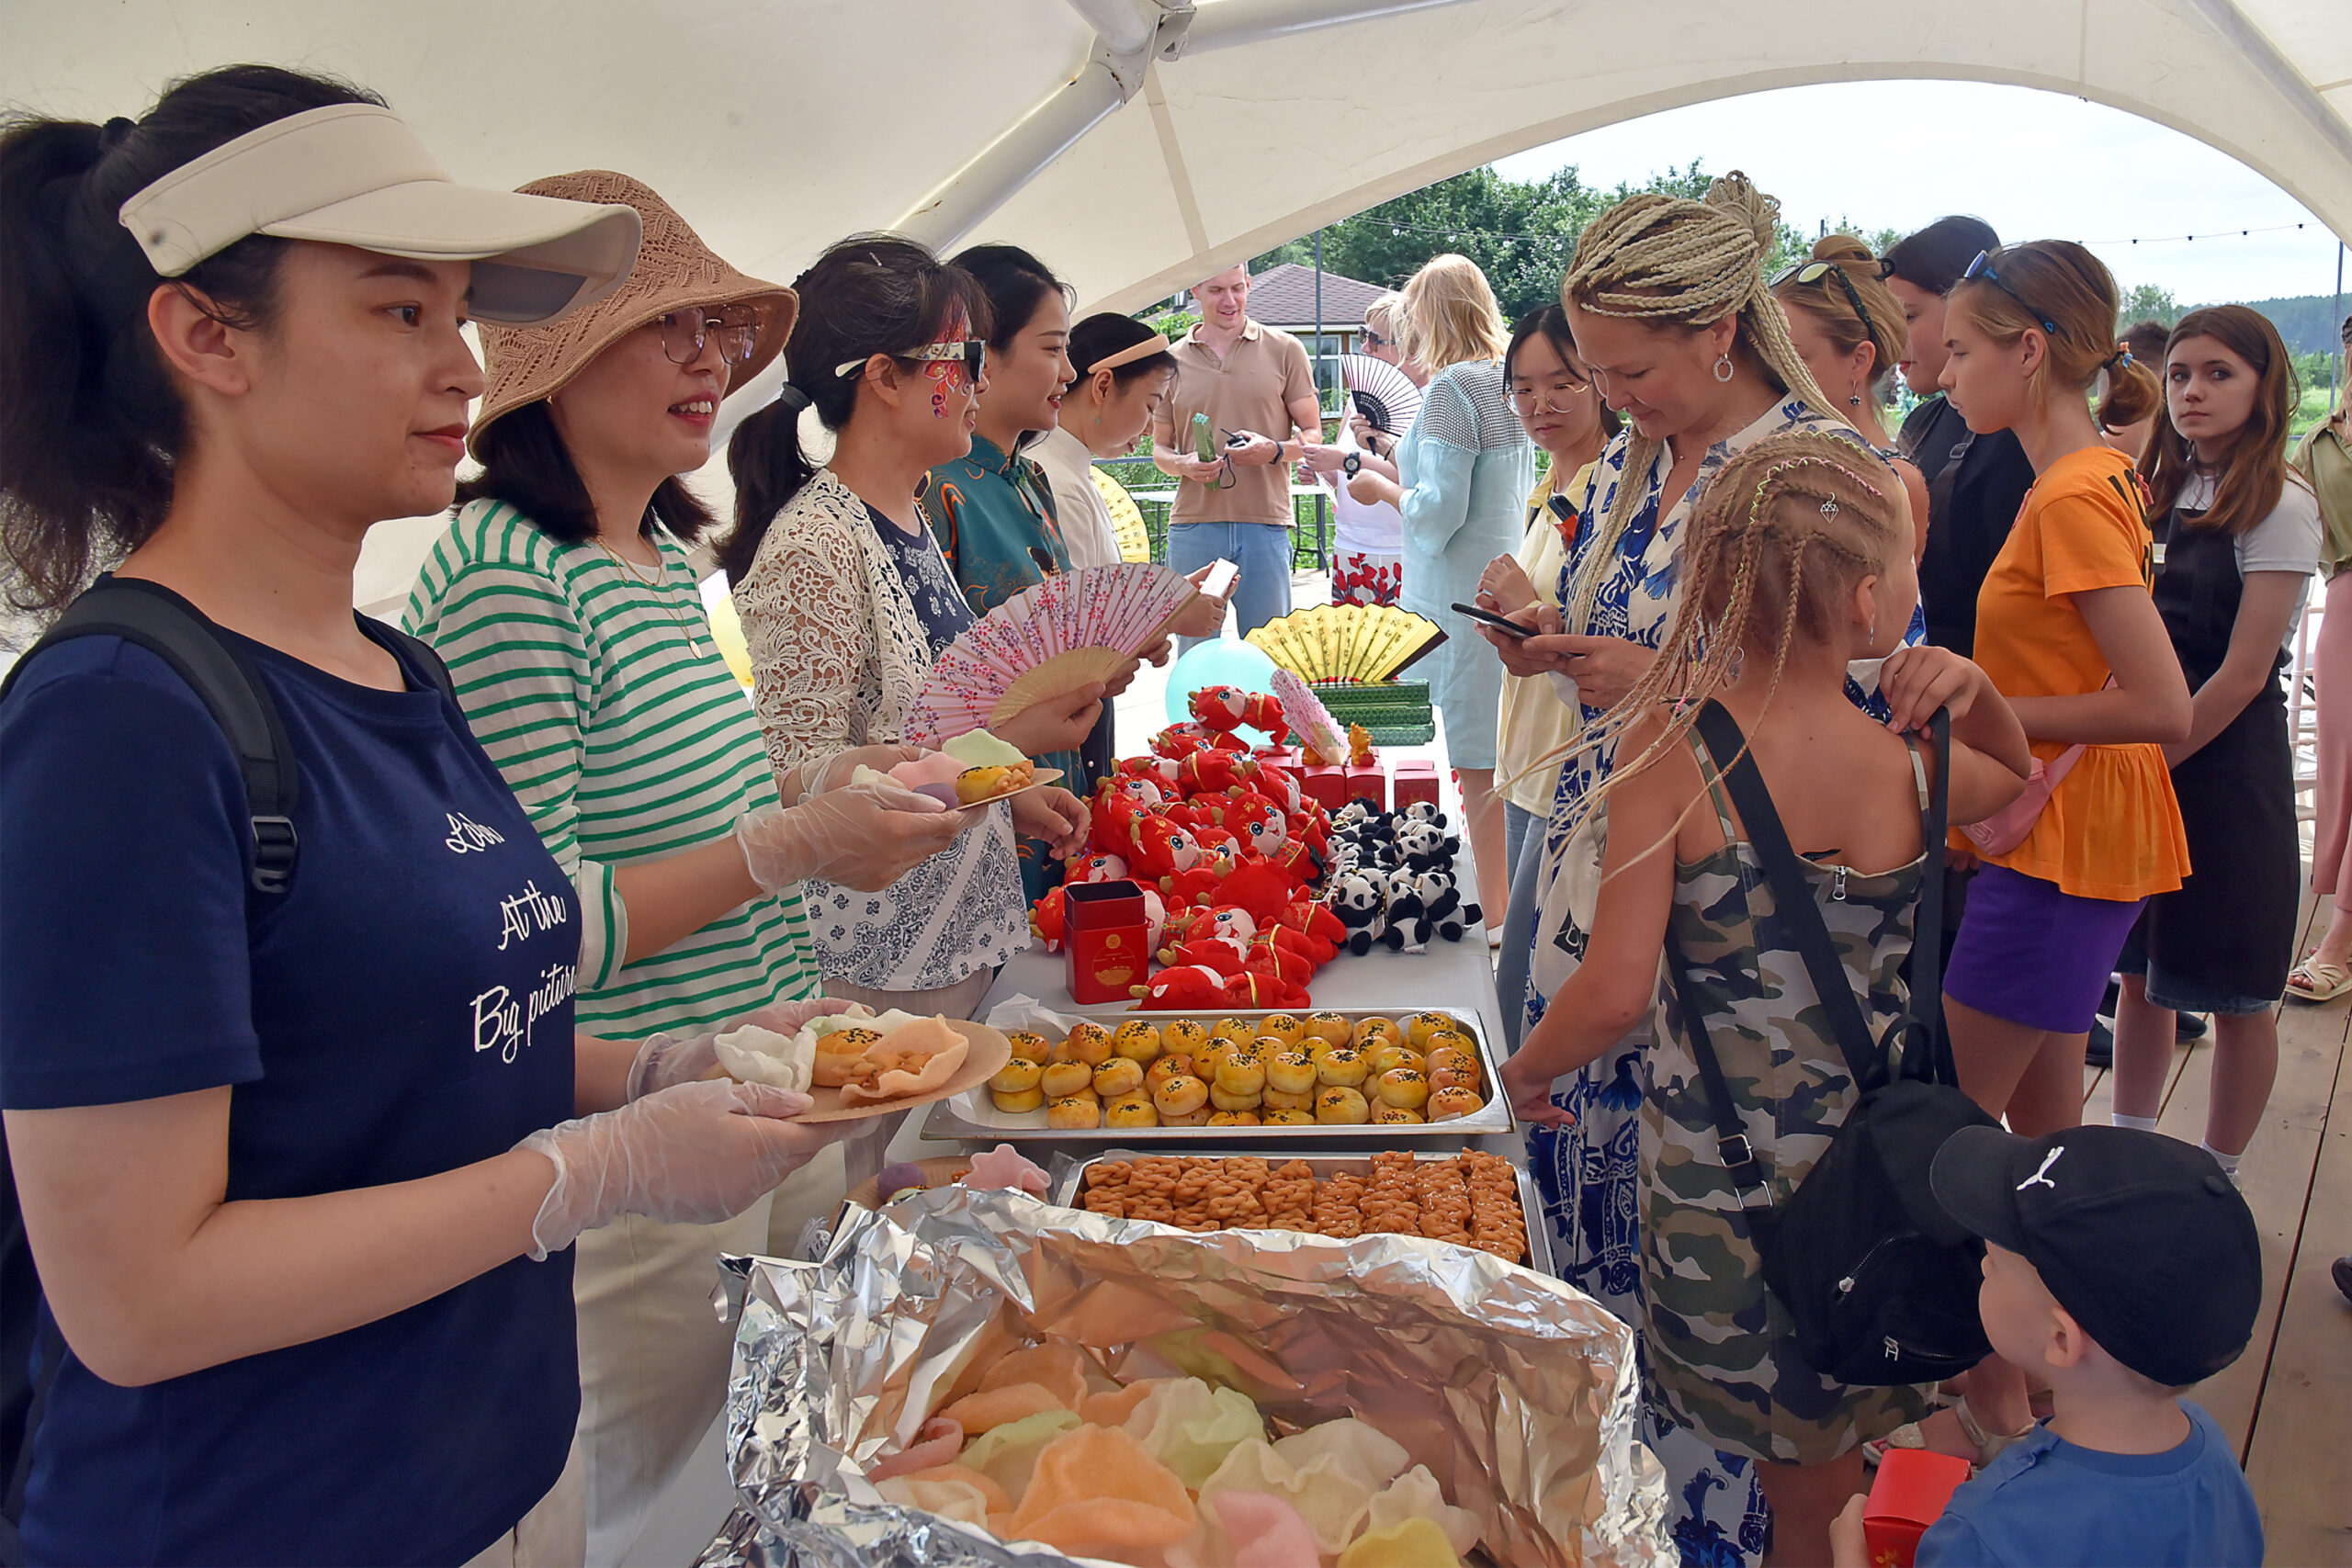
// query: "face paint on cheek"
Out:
[947,375]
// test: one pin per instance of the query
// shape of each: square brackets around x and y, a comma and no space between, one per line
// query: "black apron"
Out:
[2230,928]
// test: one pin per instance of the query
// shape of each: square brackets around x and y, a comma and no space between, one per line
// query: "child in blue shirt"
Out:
[2120,1265]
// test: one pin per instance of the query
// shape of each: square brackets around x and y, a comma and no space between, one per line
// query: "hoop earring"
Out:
[1724,371]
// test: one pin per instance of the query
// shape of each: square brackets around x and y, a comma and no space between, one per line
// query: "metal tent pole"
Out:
[1322,534]
[2335,319]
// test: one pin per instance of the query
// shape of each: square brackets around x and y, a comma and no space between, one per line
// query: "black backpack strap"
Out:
[1732,1146]
[218,673]
[1926,1052]
[1791,896]
[416,654]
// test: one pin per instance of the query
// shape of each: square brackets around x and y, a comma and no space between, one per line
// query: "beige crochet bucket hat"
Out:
[674,269]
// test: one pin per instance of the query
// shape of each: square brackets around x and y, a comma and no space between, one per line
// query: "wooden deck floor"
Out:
[2287,1401]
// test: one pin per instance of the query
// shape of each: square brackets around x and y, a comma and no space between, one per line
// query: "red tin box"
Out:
[1105,944]
[1416,780]
[1325,782]
[1367,781]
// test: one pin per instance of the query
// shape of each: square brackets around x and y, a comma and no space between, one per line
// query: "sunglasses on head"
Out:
[1982,269]
[683,332]
[1814,274]
[972,351]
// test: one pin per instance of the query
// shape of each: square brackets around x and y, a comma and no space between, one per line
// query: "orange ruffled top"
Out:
[2112,829]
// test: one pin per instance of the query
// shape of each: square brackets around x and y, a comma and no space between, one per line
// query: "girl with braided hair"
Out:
[1667,301]
[1797,560]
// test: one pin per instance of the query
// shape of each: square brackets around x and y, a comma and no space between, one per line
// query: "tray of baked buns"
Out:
[1472,1198]
[1359,1076]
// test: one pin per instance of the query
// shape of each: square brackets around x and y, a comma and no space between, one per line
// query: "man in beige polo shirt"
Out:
[1253,382]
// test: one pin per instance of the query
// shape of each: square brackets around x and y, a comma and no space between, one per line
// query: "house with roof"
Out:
[1285,296]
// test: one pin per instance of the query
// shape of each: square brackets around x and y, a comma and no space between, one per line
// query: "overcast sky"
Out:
[2035,165]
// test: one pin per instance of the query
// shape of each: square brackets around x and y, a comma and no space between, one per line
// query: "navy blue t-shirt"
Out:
[2049,1503]
[403,1010]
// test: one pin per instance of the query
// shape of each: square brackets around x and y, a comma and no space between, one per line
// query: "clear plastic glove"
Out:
[864,836]
[836,770]
[698,1154]
[665,1061]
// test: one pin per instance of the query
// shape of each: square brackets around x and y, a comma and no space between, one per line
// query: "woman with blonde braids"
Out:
[1798,558]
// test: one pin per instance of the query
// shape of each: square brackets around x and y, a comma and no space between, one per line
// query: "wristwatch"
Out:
[1352,462]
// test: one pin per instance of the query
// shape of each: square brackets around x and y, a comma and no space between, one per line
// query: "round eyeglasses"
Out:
[684,332]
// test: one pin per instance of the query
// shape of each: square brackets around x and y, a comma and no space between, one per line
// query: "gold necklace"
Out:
[660,596]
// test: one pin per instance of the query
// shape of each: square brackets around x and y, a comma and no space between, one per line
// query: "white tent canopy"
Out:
[1138,145]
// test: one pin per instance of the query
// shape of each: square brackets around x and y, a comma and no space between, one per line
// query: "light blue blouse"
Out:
[1467,467]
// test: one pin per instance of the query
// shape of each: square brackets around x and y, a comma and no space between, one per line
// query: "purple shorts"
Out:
[2033,954]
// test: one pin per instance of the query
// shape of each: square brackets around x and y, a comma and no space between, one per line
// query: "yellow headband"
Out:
[1156,343]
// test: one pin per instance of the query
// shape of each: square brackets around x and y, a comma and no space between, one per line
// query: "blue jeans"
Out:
[1262,551]
[1523,849]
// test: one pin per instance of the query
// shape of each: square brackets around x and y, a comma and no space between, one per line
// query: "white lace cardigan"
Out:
[838,654]
[838,658]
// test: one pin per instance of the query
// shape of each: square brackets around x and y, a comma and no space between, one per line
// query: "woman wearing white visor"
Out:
[285,1043]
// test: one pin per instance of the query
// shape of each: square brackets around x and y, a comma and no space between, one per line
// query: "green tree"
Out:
[2147,302]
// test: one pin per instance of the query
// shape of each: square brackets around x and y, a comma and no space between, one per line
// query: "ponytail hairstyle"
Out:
[1669,261]
[2059,283]
[2254,474]
[1551,324]
[1932,260]
[1777,543]
[2145,341]
[1100,336]
[91,427]
[1878,320]
[869,294]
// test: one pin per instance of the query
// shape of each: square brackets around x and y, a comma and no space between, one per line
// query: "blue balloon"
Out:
[1225,663]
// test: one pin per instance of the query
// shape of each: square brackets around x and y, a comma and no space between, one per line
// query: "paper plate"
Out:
[1039,779]
[938,1171]
[986,1054]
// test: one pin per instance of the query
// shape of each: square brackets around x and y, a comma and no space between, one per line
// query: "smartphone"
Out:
[1502,624]
[1204,439]
[1218,583]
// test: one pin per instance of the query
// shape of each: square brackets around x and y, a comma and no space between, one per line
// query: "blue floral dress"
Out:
[1589,1172]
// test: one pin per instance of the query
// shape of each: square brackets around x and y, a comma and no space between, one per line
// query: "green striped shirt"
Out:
[606,704]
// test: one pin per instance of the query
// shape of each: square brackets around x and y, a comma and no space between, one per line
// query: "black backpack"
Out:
[1879,1283]
[219,672]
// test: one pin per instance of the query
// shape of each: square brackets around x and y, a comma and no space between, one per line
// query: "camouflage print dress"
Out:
[1718,1348]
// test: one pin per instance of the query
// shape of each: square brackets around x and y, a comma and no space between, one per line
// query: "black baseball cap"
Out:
[2140,1237]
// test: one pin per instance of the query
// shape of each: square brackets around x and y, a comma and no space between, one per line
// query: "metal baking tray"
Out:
[1069,1189]
[973,1116]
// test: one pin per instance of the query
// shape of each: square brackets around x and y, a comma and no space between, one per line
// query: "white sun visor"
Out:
[354,175]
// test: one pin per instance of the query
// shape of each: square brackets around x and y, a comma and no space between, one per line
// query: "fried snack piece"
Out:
[841,1055]
[913,1059]
[1058,1366]
[1096,1492]
[994,1407]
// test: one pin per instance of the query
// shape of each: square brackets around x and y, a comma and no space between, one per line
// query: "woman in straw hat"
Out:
[564,602]
[1667,303]
[286,1090]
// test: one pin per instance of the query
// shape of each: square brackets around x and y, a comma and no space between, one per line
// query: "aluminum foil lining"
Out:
[1517,1391]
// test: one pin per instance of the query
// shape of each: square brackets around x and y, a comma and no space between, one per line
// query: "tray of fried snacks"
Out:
[1354,1075]
[973,1377]
[1472,1198]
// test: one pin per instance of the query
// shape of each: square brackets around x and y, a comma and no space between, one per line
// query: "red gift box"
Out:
[1367,781]
[1912,1488]
[1327,782]
[1416,780]
[1105,942]
[1283,757]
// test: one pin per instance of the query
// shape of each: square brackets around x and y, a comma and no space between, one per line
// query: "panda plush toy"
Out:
[1424,846]
[1361,902]
[1443,903]
[1408,918]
